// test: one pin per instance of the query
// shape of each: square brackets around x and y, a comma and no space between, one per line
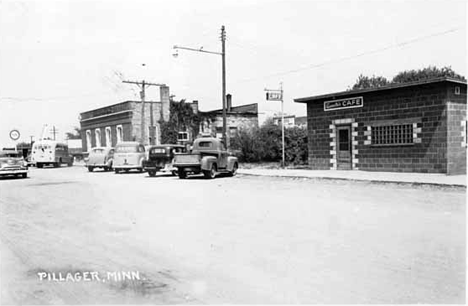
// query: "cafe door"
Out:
[343,154]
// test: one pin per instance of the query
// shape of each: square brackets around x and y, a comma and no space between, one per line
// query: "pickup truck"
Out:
[208,156]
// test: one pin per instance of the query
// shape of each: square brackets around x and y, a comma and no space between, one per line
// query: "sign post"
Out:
[277,95]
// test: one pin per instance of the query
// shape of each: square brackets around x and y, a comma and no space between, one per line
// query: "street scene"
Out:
[314,241]
[233,152]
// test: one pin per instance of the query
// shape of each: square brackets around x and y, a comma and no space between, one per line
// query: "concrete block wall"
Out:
[424,106]
[456,130]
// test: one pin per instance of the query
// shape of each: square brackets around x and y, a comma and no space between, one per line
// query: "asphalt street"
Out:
[244,239]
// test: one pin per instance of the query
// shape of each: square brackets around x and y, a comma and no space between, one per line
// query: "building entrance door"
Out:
[343,153]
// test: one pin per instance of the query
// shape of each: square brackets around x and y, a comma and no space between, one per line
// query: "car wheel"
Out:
[152,173]
[39,165]
[174,172]
[24,175]
[234,170]
[210,174]
[116,171]
[90,169]
[182,174]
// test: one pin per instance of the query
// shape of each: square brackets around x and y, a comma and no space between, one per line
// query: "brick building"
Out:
[237,117]
[412,127]
[106,126]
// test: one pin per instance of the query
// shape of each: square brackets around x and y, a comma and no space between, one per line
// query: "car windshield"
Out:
[158,150]
[126,149]
[204,144]
[9,154]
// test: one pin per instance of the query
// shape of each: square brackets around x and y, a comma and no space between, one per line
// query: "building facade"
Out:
[107,126]
[412,127]
[237,118]
[291,121]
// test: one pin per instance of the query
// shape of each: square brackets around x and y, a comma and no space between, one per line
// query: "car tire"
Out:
[116,171]
[210,174]
[90,169]
[40,166]
[182,174]
[174,172]
[24,175]
[152,173]
[234,170]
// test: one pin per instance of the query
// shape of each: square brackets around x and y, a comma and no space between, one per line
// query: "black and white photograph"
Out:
[233,152]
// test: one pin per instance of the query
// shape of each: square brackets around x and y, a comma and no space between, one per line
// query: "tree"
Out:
[181,118]
[406,76]
[426,74]
[76,134]
[364,82]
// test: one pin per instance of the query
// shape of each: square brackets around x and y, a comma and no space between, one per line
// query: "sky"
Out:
[61,58]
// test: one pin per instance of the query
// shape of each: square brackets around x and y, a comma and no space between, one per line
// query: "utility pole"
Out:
[54,131]
[223,67]
[223,56]
[142,85]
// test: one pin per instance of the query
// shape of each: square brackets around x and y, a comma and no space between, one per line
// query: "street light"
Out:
[223,62]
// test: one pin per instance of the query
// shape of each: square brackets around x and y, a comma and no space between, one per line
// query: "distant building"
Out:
[106,126]
[291,121]
[237,117]
[410,127]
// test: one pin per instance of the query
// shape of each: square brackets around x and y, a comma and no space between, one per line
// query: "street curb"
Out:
[361,180]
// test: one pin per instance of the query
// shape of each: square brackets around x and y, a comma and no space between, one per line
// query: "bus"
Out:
[50,152]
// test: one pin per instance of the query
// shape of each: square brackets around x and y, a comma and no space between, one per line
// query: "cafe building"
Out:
[408,127]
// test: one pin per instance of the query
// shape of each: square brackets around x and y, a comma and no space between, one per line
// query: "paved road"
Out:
[229,240]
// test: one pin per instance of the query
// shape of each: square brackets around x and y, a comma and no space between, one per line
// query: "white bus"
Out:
[50,152]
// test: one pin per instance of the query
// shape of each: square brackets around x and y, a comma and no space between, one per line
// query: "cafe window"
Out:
[392,134]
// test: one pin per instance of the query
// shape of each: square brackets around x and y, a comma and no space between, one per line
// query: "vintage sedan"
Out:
[100,157]
[160,158]
[12,163]
[129,155]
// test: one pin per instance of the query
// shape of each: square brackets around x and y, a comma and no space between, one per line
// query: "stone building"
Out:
[411,127]
[106,126]
[237,117]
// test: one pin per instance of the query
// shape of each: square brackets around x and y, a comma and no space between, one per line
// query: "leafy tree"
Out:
[426,74]
[364,82]
[76,134]
[406,76]
[181,118]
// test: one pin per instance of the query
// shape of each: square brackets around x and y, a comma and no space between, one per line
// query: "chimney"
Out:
[228,102]
[195,106]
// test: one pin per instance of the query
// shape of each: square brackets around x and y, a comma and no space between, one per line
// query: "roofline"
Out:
[388,87]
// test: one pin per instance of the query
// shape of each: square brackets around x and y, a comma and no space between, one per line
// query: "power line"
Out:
[397,45]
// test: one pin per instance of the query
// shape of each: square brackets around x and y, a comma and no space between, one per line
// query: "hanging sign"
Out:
[274,96]
[343,103]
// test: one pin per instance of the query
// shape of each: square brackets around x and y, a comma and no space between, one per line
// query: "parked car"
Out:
[13,163]
[209,156]
[100,157]
[161,157]
[129,155]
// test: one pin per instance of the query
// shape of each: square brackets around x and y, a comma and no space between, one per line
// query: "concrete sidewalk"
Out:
[356,175]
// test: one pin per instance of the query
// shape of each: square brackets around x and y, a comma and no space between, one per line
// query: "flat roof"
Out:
[388,87]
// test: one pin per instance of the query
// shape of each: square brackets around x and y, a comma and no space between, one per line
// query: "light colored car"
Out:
[100,157]
[13,163]
[129,155]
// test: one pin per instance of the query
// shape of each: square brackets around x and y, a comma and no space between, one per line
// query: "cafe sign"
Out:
[343,104]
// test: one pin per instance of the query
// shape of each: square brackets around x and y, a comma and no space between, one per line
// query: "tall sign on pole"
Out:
[277,95]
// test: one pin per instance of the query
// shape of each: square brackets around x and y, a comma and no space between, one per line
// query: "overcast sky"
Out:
[60,58]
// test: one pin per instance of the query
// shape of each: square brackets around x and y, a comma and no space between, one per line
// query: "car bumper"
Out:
[13,171]
[96,165]
[127,167]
